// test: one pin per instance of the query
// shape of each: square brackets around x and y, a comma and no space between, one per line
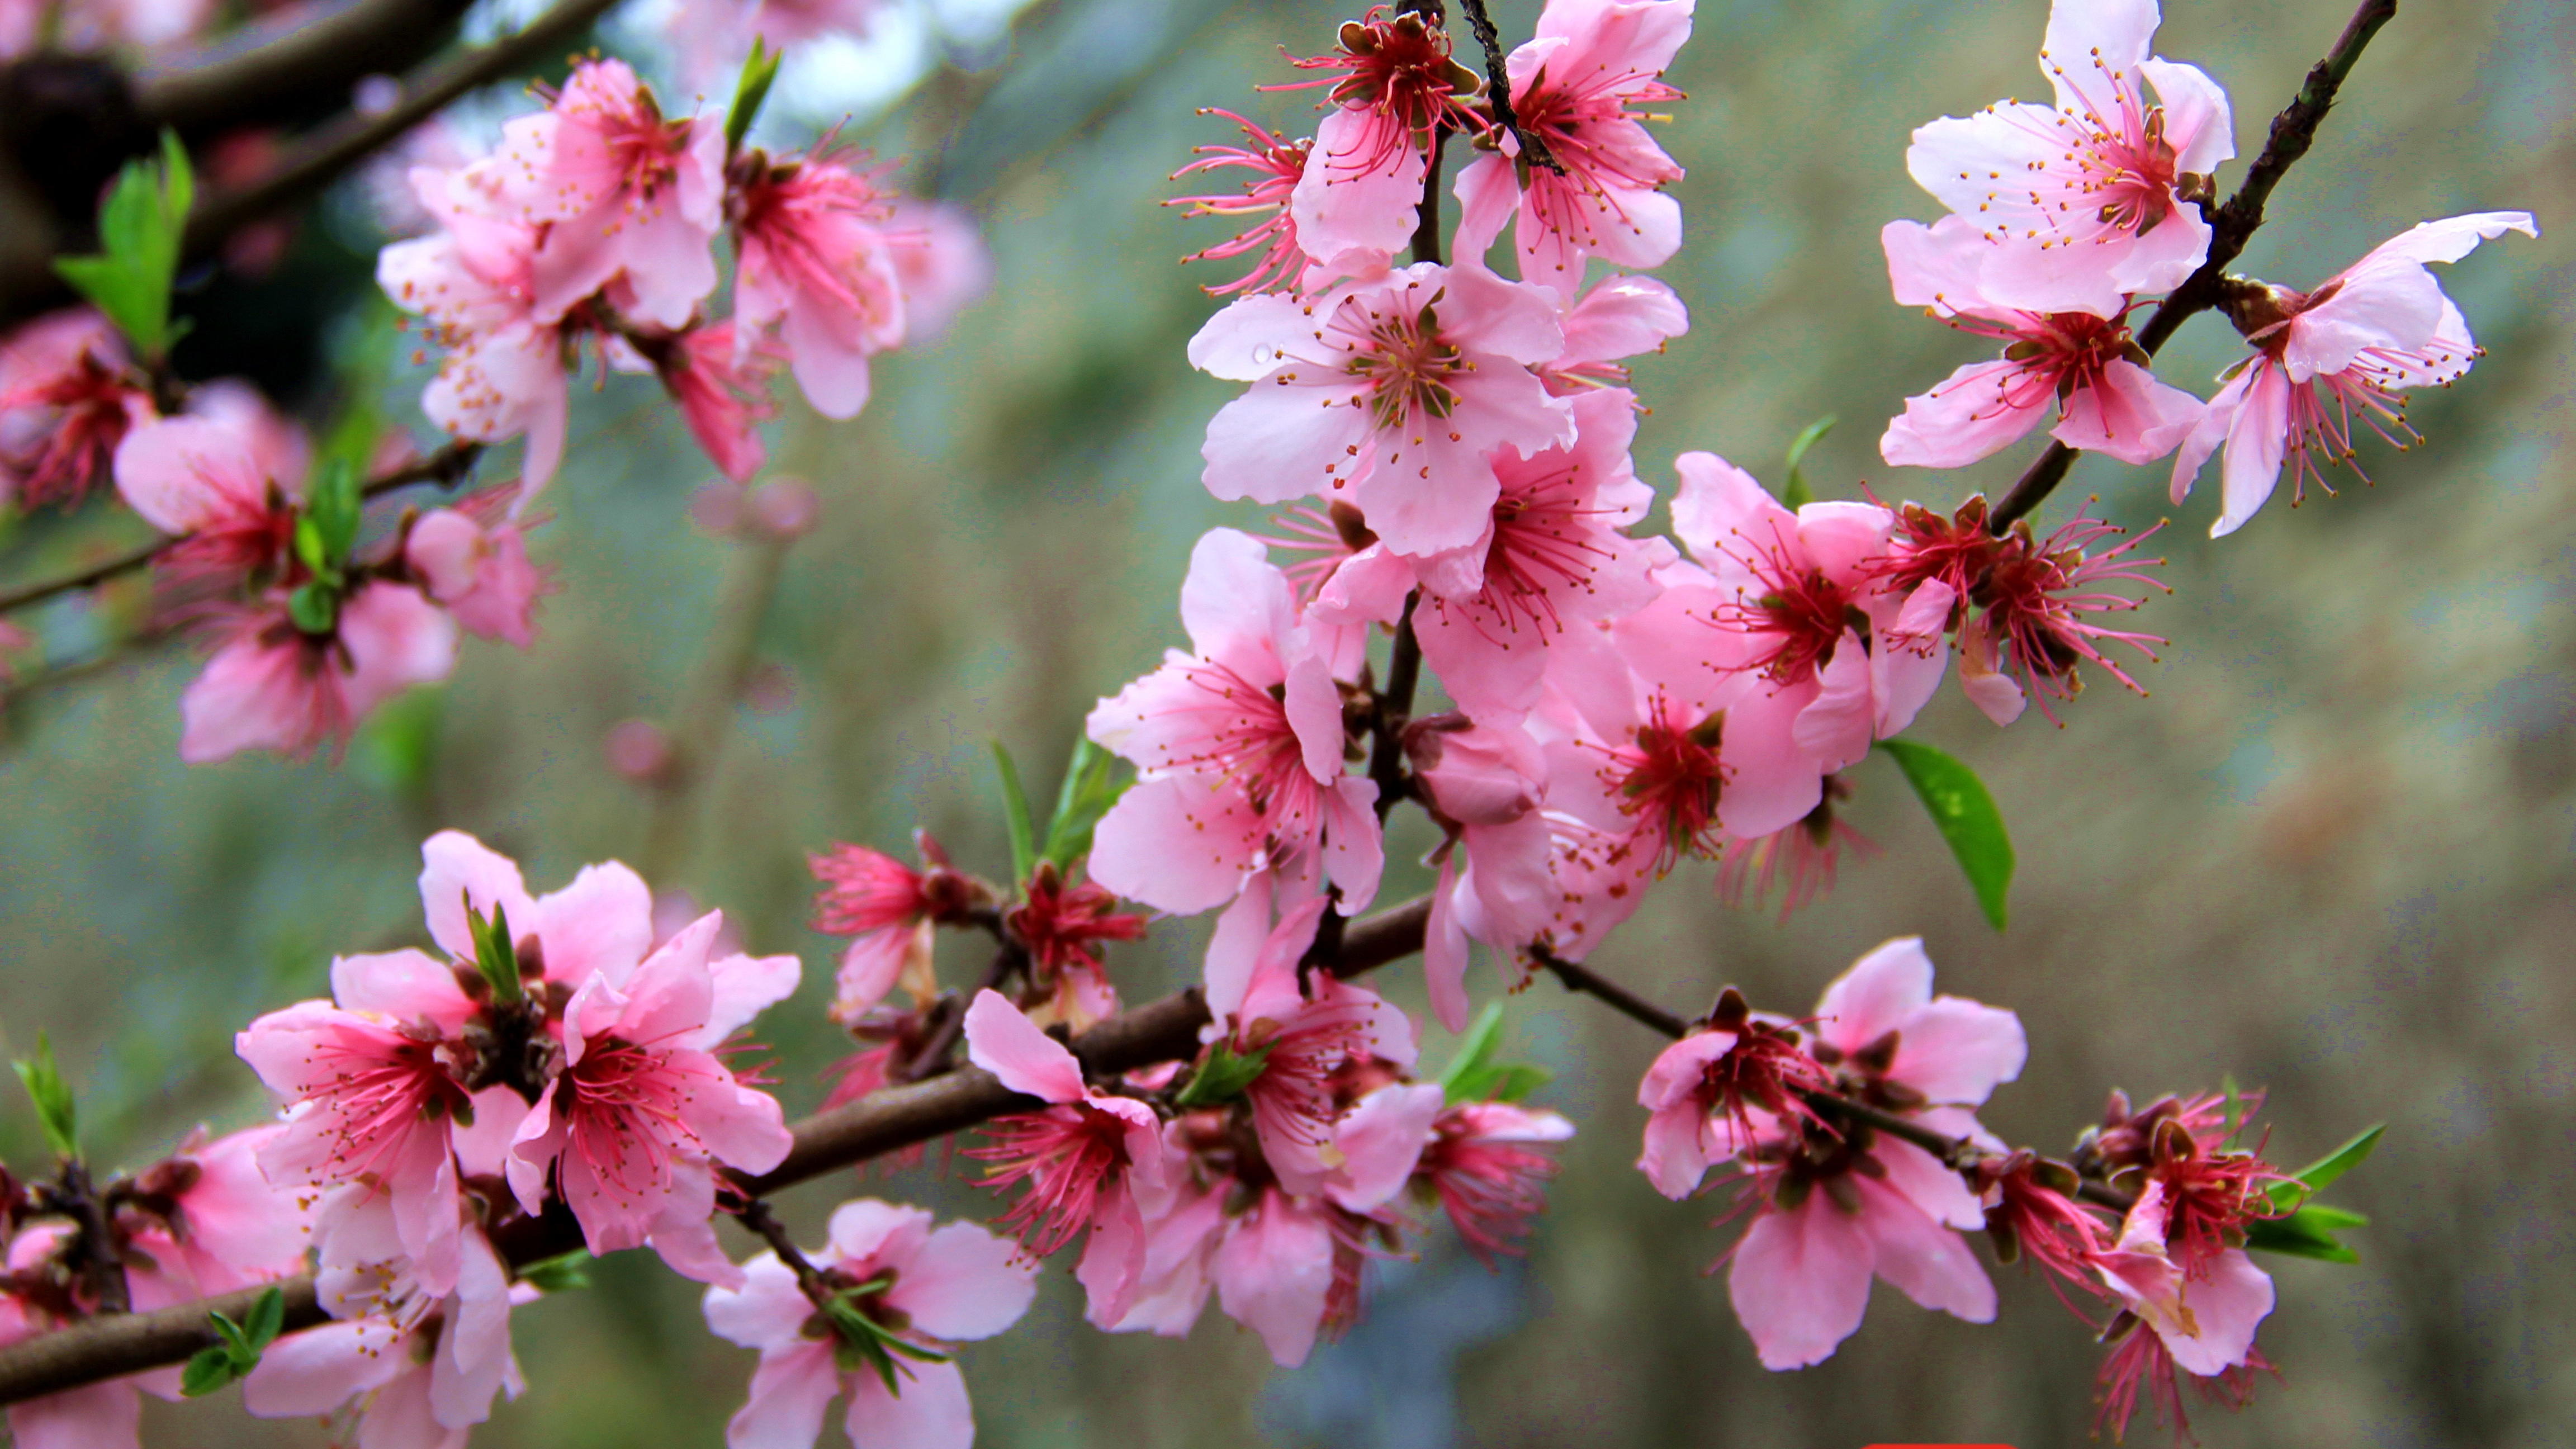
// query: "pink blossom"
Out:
[1239,751]
[1787,593]
[370,1098]
[207,1220]
[1555,553]
[1619,318]
[1273,1270]
[2040,599]
[941,259]
[2206,1315]
[1305,1032]
[1397,83]
[68,394]
[1575,86]
[477,567]
[2084,366]
[820,261]
[1061,926]
[1704,1092]
[1276,164]
[1485,787]
[619,194]
[277,443]
[200,482]
[1842,1204]
[2380,327]
[890,911]
[474,283]
[1485,1167]
[599,924]
[2084,202]
[1399,388]
[272,686]
[924,1288]
[1092,1161]
[723,395]
[421,1367]
[632,1128]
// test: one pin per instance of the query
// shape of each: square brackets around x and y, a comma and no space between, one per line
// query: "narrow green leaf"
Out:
[1091,786]
[2307,1233]
[494,955]
[1514,1082]
[231,1333]
[1223,1076]
[336,507]
[140,228]
[1475,1050]
[55,1110]
[2318,1175]
[312,548]
[1015,803]
[561,1274]
[750,92]
[1794,492]
[1966,817]
[267,1319]
[211,1369]
[314,607]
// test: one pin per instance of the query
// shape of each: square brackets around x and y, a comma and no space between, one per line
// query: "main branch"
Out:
[2293,131]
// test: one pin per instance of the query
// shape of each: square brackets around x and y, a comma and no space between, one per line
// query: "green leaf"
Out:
[750,91]
[1015,802]
[1090,787]
[561,1274]
[1223,1076]
[2319,1175]
[1967,818]
[1512,1082]
[1794,492]
[314,606]
[333,508]
[494,955]
[231,1333]
[53,1098]
[267,1319]
[2307,1233]
[140,227]
[1475,1051]
[211,1369]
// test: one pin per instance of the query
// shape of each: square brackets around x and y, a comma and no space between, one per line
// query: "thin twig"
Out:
[932,1059]
[886,1120]
[1498,88]
[1627,1003]
[2293,131]
[445,467]
[755,1215]
[352,138]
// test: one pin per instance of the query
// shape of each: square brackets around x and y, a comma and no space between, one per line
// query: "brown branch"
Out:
[285,68]
[1498,88]
[886,1120]
[340,145]
[445,467]
[2293,131]
[1627,1003]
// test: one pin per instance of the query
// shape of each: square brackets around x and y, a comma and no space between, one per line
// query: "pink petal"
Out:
[2131,417]
[1380,1139]
[2258,436]
[406,986]
[1878,994]
[1927,1262]
[1178,844]
[1800,1282]
[965,1284]
[790,1391]
[321,1368]
[930,1413]
[2199,124]
[1283,440]
[1003,1041]
[1956,1051]
[454,866]
[768,1311]
[1969,415]
[1273,1272]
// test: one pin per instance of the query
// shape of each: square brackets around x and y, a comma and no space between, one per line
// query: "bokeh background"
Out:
[2329,854]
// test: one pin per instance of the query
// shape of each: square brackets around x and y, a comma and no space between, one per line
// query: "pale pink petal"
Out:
[1003,1041]
[1835,726]
[2226,1305]
[2131,417]
[1273,1272]
[1280,441]
[1878,994]
[2199,124]
[1956,1051]
[931,1413]
[1354,853]
[790,1391]
[2257,438]
[745,986]
[406,986]
[767,1312]
[1800,1282]
[1927,1262]
[965,1284]
[1975,412]
[1341,207]
[1177,844]
[1380,1140]
[321,1368]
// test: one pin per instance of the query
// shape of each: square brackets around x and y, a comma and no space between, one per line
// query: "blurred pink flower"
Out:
[272,686]
[1486,1168]
[200,482]
[819,262]
[478,568]
[67,398]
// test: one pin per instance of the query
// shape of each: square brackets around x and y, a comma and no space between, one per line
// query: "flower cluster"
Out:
[592,227]
[2066,218]
[1856,1152]
[557,1052]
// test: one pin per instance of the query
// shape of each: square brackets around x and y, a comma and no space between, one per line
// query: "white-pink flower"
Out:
[925,1288]
[2378,328]
[2084,368]
[1239,752]
[1844,1207]
[478,569]
[631,1129]
[623,198]
[2081,200]
[1092,1161]
[1392,392]
[271,686]
[1575,86]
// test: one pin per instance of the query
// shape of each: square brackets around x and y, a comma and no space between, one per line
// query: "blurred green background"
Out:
[2330,854]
